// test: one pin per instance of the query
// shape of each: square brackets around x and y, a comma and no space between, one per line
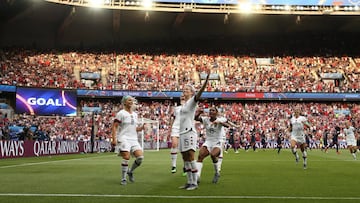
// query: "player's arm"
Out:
[290,127]
[140,128]
[308,124]
[198,94]
[198,115]
[114,128]
[230,124]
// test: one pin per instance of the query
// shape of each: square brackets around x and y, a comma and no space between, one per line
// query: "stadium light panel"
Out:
[245,7]
[287,7]
[147,3]
[96,3]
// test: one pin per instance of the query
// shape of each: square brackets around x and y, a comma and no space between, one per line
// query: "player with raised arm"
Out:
[188,135]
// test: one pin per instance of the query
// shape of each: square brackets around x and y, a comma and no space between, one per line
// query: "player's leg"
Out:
[215,153]
[304,153]
[124,165]
[293,149]
[139,157]
[203,153]
[192,173]
[352,150]
[188,142]
[174,152]
[337,147]
[220,159]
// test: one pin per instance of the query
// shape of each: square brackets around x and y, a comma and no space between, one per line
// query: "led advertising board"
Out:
[46,102]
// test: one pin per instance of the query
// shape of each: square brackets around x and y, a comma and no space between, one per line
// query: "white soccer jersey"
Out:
[188,134]
[214,132]
[127,123]
[187,115]
[350,136]
[298,126]
[223,135]
[175,128]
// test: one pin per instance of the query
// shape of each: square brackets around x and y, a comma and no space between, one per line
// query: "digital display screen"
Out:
[46,102]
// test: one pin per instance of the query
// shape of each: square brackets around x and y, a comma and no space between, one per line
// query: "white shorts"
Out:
[188,141]
[128,146]
[210,145]
[175,132]
[298,139]
[351,142]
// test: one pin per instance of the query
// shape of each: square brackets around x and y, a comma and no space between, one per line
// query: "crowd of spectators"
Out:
[262,118]
[164,72]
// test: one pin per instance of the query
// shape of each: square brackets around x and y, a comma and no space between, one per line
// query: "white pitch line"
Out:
[177,197]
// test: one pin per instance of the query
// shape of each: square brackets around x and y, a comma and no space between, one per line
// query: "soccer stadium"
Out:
[180,101]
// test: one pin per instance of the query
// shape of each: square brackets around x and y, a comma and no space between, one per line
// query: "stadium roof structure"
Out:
[295,7]
[52,23]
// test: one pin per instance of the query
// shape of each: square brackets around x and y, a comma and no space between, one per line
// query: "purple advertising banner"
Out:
[31,148]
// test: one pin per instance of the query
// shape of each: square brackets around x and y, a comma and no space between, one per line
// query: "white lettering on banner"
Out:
[67,147]
[12,148]
[250,95]
[87,147]
[45,102]
[44,147]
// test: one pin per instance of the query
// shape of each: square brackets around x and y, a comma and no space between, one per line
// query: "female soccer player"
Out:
[297,123]
[188,134]
[124,136]
[214,127]
[349,132]
[175,127]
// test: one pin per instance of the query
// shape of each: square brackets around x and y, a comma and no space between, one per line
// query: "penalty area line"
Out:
[176,197]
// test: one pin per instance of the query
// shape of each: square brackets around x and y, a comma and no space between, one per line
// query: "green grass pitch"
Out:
[262,176]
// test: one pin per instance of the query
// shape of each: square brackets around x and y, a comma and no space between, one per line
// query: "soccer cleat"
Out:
[185,186]
[184,174]
[216,178]
[192,187]
[297,158]
[131,176]
[173,169]
[123,182]
[305,166]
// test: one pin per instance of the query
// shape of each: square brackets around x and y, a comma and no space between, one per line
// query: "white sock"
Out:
[216,167]
[295,153]
[194,172]
[199,166]
[188,172]
[220,163]
[173,154]
[305,157]
[124,168]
